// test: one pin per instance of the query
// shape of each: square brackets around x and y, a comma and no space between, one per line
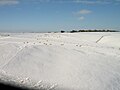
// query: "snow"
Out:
[61,61]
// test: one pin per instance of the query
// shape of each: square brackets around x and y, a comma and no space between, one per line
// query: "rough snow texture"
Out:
[55,61]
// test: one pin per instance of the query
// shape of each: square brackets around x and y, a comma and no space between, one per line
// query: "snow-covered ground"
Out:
[67,61]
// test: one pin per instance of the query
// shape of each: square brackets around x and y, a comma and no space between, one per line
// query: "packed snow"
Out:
[61,61]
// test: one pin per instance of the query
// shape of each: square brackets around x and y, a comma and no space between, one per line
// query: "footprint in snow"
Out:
[25,80]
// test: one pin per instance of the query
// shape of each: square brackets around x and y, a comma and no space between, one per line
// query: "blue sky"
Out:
[56,15]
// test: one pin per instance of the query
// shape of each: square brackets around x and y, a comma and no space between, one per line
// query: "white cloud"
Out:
[83,12]
[93,2]
[42,0]
[9,2]
[82,1]
[90,2]
[81,18]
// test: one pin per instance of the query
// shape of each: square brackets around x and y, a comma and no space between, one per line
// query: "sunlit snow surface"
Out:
[61,61]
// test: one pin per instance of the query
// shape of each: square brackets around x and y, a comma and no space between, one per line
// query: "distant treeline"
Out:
[73,31]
